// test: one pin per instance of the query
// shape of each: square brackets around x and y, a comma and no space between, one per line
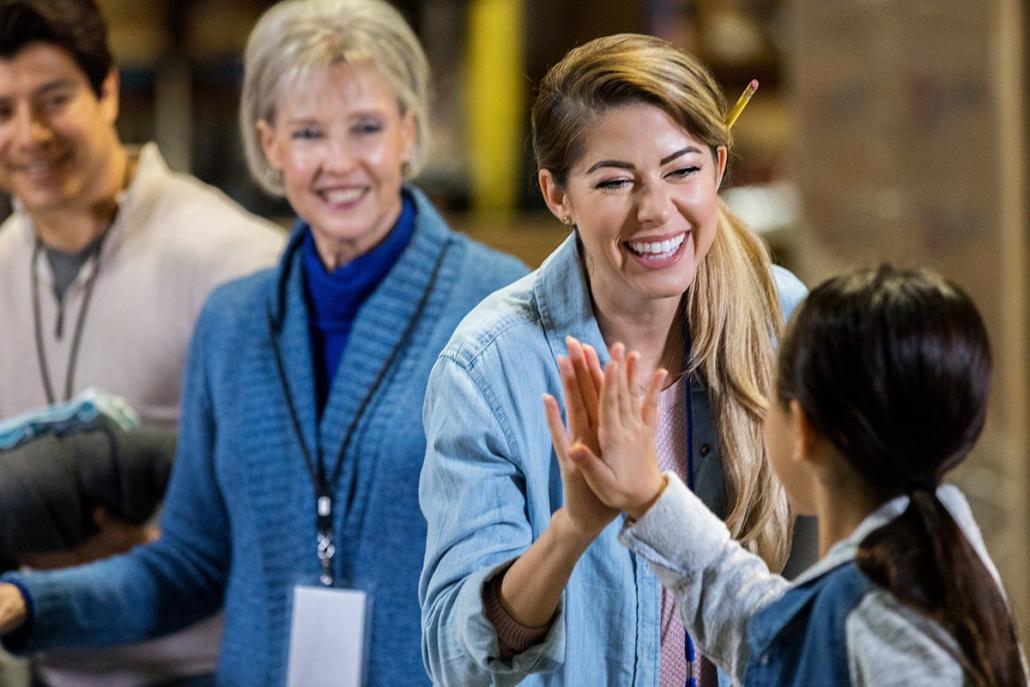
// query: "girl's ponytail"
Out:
[924,560]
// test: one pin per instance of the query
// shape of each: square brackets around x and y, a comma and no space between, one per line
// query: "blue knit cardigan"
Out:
[239,523]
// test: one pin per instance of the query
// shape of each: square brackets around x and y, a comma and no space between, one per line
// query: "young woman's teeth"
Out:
[657,247]
[344,196]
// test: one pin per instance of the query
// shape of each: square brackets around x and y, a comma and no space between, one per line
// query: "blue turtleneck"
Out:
[334,298]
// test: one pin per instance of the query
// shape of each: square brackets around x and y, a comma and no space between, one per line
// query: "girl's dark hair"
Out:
[893,368]
[74,25]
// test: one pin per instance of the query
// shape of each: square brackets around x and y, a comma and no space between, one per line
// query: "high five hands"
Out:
[607,457]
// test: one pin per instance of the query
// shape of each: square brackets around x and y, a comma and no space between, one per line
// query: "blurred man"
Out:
[104,266]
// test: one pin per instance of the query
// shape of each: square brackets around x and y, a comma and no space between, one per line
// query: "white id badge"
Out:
[327,637]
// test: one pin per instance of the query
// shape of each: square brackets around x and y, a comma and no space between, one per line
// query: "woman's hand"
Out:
[624,474]
[584,513]
[12,608]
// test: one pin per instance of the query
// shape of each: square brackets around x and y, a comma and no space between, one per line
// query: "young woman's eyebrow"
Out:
[619,164]
[610,163]
[682,151]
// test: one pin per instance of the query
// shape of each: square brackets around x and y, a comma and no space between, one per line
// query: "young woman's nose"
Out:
[654,204]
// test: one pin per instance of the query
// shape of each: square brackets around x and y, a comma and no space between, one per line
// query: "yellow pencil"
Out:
[742,102]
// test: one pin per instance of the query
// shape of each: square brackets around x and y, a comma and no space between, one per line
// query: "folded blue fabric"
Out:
[79,412]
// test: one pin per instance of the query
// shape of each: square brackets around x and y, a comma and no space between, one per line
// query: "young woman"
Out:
[882,390]
[523,580]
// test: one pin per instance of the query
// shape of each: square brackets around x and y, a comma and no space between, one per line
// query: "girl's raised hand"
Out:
[624,474]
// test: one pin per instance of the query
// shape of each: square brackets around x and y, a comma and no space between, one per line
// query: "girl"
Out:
[883,381]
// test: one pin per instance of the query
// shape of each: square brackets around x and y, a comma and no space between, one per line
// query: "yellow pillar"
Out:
[495,102]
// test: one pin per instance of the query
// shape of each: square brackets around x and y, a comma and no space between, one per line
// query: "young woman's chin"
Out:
[662,284]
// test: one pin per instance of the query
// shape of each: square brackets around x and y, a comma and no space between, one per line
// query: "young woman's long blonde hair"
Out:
[732,305]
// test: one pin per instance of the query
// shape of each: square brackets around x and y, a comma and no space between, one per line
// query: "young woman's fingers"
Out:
[575,409]
[649,408]
[584,378]
[597,474]
[627,403]
[632,370]
[609,405]
[594,363]
[559,437]
[618,354]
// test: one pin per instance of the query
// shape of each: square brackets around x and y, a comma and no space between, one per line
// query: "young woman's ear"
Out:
[721,158]
[555,197]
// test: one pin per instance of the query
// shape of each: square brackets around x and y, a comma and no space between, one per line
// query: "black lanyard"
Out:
[80,321]
[688,644]
[325,485]
[687,346]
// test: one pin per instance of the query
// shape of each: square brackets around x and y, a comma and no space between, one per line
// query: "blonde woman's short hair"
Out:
[296,37]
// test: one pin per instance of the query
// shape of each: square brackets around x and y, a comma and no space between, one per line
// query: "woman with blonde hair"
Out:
[525,577]
[294,498]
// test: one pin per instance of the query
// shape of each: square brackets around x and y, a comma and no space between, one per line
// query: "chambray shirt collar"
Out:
[563,297]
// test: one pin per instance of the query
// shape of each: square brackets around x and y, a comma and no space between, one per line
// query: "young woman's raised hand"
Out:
[582,380]
[624,474]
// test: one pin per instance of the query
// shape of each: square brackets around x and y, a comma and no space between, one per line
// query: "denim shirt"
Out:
[490,484]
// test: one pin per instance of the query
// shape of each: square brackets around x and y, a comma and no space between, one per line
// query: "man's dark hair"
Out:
[75,25]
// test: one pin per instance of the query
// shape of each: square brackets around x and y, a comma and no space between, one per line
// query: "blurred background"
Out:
[883,130]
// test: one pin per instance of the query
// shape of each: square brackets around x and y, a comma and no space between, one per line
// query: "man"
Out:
[104,266]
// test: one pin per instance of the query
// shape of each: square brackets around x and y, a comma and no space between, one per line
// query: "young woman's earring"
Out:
[566,220]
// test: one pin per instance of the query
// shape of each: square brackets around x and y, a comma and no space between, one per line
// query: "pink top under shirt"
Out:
[671,442]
